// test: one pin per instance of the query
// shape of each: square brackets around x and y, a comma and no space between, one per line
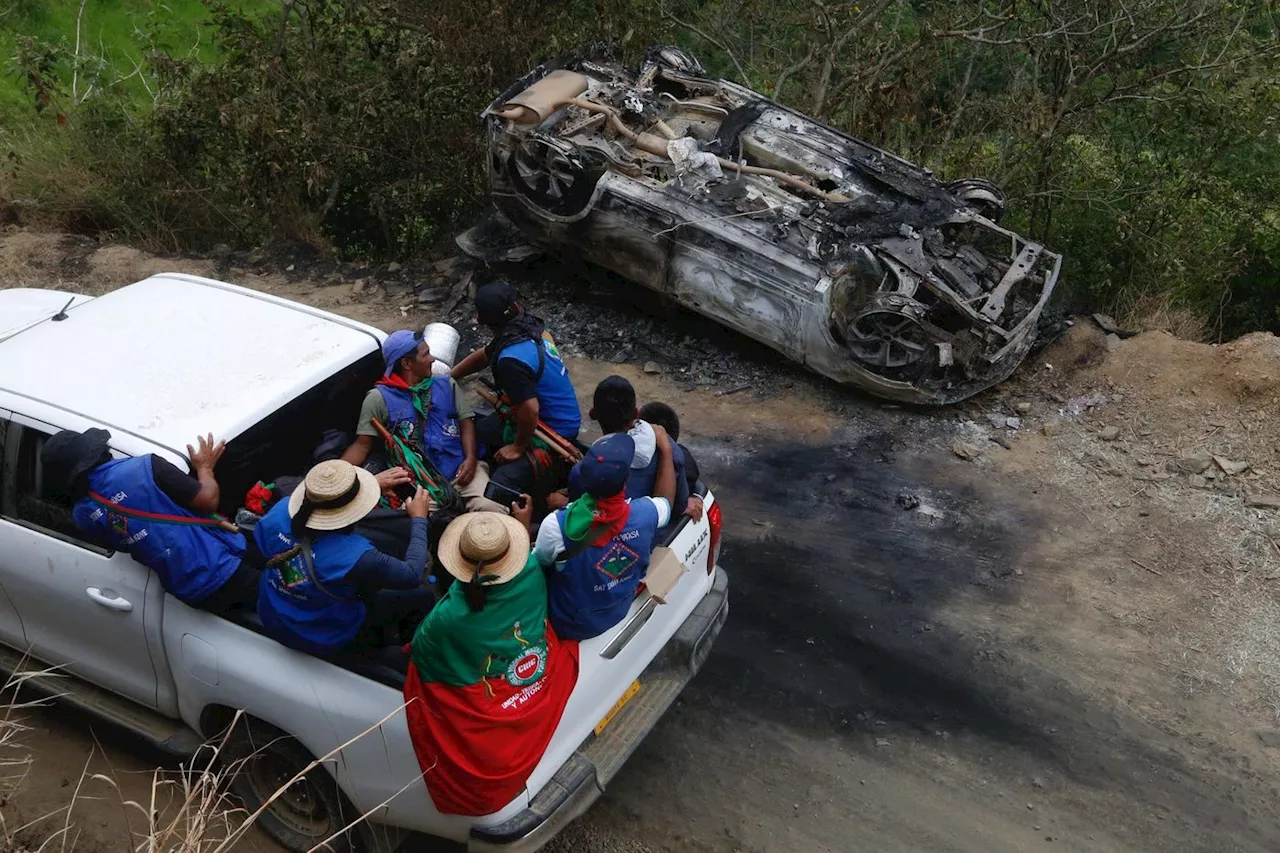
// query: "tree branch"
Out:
[742,74]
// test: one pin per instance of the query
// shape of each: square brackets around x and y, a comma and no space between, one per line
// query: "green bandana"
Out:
[578,517]
[421,397]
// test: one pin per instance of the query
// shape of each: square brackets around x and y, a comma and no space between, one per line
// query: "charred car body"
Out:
[842,256]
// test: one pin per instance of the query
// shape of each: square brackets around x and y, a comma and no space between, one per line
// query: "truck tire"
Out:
[262,759]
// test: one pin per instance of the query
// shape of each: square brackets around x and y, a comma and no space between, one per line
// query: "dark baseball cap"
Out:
[614,399]
[604,469]
[496,302]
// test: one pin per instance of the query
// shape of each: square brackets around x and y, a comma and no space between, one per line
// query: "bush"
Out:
[1139,141]
[351,124]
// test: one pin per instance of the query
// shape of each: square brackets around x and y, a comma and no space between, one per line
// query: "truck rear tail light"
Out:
[716,519]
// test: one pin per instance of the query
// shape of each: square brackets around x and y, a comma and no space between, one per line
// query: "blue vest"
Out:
[593,590]
[640,481]
[293,609]
[192,562]
[441,436]
[557,401]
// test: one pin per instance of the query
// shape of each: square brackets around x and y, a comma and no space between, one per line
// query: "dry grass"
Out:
[1157,312]
[191,810]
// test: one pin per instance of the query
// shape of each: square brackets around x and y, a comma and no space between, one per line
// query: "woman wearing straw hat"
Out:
[488,678]
[326,588]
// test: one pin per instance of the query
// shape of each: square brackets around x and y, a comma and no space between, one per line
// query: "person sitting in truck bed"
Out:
[596,550]
[428,413]
[488,678]
[530,374]
[326,589]
[660,414]
[159,515]
[613,406]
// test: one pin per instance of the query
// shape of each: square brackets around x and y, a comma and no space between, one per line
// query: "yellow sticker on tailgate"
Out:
[617,706]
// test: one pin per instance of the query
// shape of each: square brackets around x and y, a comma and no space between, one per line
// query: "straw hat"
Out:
[340,494]
[498,539]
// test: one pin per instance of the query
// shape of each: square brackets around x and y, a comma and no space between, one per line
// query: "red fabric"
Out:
[612,512]
[395,380]
[476,754]
[257,498]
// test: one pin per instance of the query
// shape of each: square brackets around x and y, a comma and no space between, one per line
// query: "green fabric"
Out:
[578,517]
[509,437]
[457,647]
[421,397]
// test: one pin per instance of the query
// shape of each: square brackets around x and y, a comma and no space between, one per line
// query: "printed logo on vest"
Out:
[119,523]
[617,560]
[527,668]
[549,344]
[289,578]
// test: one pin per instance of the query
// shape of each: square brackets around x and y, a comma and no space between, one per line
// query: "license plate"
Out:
[617,706]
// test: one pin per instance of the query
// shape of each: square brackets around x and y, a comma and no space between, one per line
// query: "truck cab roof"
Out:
[172,356]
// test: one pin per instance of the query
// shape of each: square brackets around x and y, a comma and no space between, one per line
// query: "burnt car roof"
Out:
[845,257]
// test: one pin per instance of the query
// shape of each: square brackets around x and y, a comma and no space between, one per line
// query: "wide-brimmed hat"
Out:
[335,494]
[497,539]
[68,455]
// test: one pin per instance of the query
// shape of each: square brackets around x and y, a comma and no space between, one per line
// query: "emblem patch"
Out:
[617,560]
[527,668]
[119,523]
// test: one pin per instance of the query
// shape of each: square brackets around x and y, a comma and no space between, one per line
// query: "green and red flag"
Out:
[485,692]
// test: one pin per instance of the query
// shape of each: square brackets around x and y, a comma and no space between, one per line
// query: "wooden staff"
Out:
[553,439]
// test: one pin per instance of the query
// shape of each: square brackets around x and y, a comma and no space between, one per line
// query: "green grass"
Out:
[121,32]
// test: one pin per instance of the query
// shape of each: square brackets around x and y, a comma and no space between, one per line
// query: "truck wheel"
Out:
[263,759]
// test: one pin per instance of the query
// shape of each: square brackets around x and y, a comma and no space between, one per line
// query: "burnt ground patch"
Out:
[836,589]
[855,618]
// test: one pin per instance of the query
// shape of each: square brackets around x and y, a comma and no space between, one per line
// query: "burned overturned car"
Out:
[846,258]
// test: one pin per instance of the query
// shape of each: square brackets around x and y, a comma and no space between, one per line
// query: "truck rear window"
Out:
[283,443]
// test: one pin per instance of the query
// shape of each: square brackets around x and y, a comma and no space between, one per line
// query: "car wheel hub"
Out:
[888,337]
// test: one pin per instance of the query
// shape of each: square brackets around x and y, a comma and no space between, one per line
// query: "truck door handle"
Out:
[109,599]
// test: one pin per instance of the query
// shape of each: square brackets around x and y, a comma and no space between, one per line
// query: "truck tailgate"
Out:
[611,665]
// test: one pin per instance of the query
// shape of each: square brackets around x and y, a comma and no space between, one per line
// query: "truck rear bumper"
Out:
[582,779]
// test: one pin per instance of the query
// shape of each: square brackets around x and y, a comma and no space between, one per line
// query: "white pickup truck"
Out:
[162,360]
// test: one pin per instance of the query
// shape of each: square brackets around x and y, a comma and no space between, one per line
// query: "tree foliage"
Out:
[1138,137]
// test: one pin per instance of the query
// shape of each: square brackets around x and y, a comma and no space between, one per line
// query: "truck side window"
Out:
[38,505]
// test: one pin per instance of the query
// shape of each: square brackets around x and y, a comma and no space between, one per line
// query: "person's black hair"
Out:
[664,416]
[614,403]
[475,593]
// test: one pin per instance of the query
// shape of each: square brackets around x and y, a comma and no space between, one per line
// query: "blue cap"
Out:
[397,346]
[604,469]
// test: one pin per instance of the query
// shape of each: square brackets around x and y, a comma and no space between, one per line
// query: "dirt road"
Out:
[1066,644]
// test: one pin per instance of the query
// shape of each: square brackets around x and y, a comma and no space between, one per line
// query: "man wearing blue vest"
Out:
[613,406]
[529,372]
[326,589]
[159,515]
[428,413]
[596,550]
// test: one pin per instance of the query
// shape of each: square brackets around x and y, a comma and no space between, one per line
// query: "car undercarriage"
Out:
[844,257]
